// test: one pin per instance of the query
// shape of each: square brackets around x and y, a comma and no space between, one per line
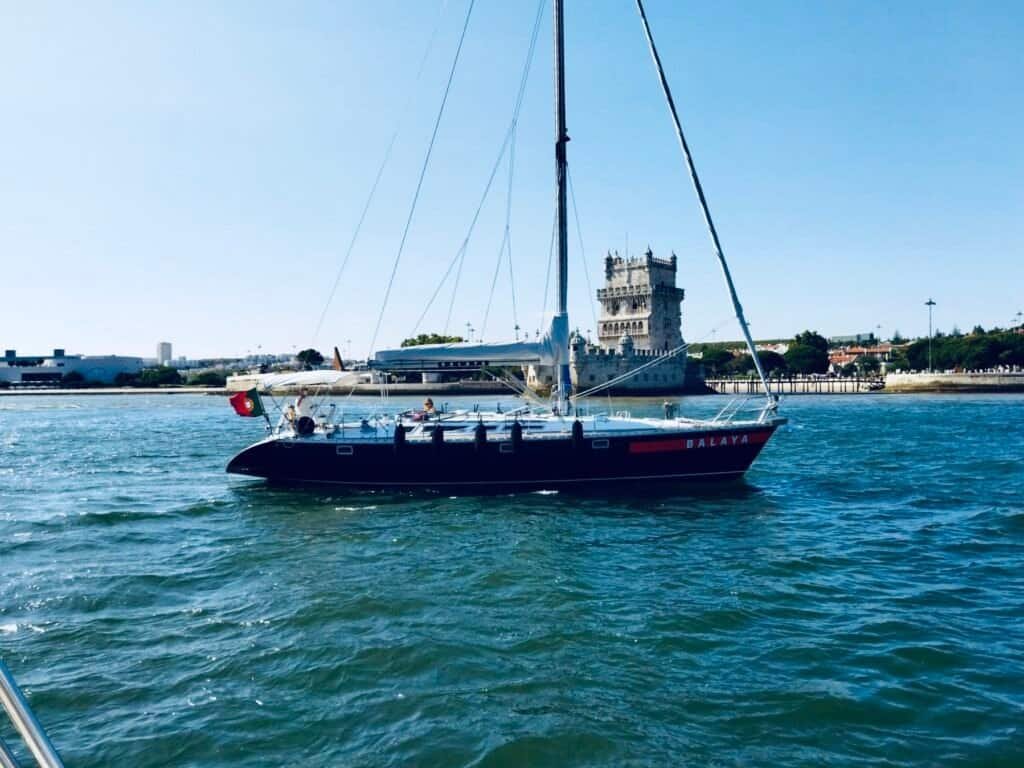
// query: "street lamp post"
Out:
[930,303]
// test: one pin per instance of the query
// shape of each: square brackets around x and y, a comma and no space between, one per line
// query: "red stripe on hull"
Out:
[699,442]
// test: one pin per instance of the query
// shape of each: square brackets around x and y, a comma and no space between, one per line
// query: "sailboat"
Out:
[558,446]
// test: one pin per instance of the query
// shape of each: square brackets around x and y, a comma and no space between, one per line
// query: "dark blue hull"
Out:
[537,464]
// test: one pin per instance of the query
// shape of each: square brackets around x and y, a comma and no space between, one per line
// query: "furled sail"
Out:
[552,349]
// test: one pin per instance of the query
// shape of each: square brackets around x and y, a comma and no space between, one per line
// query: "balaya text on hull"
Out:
[547,447]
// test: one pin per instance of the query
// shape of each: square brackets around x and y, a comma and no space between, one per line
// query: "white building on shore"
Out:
[43,370]
[163,353]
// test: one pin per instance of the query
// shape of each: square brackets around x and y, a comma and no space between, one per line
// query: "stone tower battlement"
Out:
[640,299]
[641,321]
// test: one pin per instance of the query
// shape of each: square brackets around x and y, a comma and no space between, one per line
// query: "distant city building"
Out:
[641,319]
[163,353]
[857,338]
[35,370]
[845,355]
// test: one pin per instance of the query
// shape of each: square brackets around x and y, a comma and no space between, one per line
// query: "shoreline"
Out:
[374,390]
[24,391]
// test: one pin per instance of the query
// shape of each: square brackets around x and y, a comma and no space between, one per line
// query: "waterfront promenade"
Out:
[974,381]
[892,383]
[805,385]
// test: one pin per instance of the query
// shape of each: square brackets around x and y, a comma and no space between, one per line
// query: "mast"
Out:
[561,218]
[704,207]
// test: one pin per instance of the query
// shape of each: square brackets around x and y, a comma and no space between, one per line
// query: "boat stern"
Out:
[253,461]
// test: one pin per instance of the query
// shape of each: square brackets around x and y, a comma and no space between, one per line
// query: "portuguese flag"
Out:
[247,403]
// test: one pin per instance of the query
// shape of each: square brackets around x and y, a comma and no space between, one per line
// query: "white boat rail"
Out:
[26,724]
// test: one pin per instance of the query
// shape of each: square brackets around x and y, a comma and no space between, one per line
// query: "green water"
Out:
[858,600]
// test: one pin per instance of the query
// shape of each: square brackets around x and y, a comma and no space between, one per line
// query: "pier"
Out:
[804,385]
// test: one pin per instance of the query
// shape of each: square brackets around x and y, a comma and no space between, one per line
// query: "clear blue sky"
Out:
[193,171]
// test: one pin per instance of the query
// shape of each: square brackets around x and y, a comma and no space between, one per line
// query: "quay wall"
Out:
[955,382]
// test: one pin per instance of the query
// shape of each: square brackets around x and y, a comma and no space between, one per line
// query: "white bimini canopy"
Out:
[267,382]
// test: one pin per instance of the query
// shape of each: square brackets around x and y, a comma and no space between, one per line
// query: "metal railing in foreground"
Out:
[25,722]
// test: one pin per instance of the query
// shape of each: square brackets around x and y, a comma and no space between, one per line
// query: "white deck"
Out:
[460,426]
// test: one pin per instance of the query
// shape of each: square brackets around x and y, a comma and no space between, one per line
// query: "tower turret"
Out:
[640,298]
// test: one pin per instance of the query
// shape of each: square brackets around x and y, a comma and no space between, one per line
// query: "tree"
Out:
[868,364]
[812,339]
[849,369]
[209,379]
[716,361]
[898,362]
[72,379]
[897,338]
[808,353]
[309,358]
[978,331]
[431,338]
[740,364]
[161,376]
[974,352]
[771,361]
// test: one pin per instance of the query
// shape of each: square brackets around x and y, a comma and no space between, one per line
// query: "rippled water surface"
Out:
[858,600]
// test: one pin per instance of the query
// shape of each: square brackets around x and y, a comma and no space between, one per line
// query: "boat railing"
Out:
[742,405]
[26,724]
[730,410]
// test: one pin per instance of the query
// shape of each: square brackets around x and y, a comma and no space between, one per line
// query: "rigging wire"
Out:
[547,278]
[506,241]
[380,171]
[509,142]
[508,237]
[607,385]
[630,374]
[423,173]
[465,242]
[737,307]
[494,283]
[512,286]
[583,257]
[459,254]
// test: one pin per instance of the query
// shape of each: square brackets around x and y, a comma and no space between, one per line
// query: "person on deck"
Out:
[303,404]
[428,409]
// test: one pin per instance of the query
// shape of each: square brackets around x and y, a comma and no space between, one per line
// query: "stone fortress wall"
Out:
[641,319]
